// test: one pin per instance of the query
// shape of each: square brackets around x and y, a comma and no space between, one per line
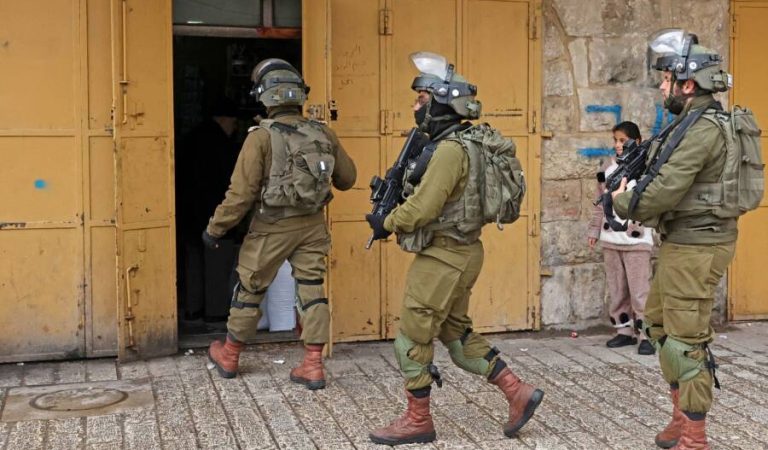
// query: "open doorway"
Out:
[216,44]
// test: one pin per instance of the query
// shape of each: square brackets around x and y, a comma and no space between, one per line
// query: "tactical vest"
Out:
[299,181]
[740,188]
[493,191]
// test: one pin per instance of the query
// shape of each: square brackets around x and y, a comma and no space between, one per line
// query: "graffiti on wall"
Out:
[663,117]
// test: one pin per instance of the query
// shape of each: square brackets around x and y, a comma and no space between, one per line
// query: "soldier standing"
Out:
[284,174]
[690,195]
[439,222]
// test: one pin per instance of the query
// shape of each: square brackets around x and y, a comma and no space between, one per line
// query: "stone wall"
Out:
[595,73]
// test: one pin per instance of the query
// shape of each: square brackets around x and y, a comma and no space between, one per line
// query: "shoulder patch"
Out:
[253,128]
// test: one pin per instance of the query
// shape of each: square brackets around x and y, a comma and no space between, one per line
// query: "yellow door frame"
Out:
[739,267]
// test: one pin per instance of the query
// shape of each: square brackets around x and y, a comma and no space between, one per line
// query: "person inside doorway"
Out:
[207,156]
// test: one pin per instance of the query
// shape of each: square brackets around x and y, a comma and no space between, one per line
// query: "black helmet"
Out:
[276,82]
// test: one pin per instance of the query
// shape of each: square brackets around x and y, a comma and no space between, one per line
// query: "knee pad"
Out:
[245,298]
[676,361]
[653,332]
[473,354]
[413,359]
[309,293]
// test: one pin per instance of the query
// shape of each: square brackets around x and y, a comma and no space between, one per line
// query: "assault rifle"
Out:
[387,192]
[631,165]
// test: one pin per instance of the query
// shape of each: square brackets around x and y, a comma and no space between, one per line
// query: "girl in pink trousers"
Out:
[627,258]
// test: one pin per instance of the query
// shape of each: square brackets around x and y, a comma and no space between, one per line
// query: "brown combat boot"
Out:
[225,355]
[523,400]
[414,426]
[669,436]
[310,372]
[694,435]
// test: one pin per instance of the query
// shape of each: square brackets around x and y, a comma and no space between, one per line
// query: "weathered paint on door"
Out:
[356,60]
[57,232]
[87,242]
[748,288]
[143,122]
[86,150]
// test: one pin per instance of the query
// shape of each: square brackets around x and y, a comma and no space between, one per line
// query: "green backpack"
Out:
[502,183]
[743,175]
[302,165]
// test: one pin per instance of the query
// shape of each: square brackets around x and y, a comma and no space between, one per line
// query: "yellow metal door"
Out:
[42,281]
[356,60]
[411,31]
[504,68]
[342,64]
[142,89]
[748,288]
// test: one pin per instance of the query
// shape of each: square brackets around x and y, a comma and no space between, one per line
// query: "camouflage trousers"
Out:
[438,287]
[261,256]
[677,316]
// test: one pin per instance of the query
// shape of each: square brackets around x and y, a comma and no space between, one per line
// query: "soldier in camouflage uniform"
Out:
[283,174]
[434,222]
[698,238]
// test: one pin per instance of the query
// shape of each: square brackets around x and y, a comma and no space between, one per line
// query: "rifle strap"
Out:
[420,166]
[666,152]
[426,155]
[609,216]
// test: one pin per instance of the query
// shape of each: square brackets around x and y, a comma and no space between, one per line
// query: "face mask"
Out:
[420,116]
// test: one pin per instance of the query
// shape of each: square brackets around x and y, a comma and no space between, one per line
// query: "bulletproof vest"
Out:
[493,191]
[299,181]
[740,188]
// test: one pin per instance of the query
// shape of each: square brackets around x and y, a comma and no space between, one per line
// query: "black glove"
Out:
[377,225]
[210,241]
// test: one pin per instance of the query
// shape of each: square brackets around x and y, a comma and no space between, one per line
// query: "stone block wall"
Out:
[595,73]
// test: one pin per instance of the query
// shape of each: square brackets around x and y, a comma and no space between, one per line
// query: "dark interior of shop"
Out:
[213,111]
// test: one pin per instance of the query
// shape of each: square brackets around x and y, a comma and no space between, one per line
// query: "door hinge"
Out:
[534,225]
[384,121]
[385,22]
[333,109]
[316,112]
[734,27]
[533,121]
[533,22]
[532,27]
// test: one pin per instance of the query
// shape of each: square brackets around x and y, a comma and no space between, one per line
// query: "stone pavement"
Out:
[596,398]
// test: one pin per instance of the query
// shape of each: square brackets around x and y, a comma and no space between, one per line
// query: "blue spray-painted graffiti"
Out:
[614,109]
[598,152]
[40,184]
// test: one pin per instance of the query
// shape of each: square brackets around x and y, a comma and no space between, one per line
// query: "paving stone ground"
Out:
[596,398]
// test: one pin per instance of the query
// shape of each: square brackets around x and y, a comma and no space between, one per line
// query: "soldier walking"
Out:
[283,174]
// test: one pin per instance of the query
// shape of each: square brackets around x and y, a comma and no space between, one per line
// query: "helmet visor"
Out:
[430,64]
[668,41]
[667,50]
